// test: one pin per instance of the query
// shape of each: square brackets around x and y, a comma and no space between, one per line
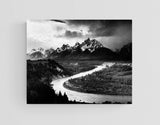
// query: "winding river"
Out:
[87,97]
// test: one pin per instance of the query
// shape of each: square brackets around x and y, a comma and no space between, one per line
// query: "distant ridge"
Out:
[89,49]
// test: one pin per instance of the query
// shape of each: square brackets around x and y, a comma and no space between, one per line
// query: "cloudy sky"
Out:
[54,33]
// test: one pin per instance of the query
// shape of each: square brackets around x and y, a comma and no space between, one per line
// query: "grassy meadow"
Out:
[116,80]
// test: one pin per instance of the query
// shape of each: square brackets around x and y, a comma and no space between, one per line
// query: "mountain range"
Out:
[89,49]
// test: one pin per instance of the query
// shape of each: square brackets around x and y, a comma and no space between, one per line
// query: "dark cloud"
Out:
[72,34]
[112,33]
[101,28]
[60,21]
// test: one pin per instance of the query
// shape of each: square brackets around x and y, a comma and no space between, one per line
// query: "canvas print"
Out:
[79,61]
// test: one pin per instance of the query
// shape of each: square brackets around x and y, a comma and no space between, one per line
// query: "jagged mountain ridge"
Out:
[88,44]
[85,48]
[91,49]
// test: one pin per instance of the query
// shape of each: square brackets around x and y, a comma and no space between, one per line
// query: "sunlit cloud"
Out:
[55,33]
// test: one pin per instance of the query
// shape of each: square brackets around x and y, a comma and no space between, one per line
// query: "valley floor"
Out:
[78,66]
[115,80]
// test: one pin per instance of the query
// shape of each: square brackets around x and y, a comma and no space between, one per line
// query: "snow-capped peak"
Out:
[65,47]
[58,50]
[76,44]
[91,45]
[38,50]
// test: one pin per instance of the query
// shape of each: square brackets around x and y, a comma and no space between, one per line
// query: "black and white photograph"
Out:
[79,61]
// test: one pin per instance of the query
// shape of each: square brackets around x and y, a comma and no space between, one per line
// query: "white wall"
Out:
[145,108]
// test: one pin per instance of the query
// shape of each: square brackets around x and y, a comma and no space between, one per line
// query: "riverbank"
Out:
[39,76]
[88,97]
[114,80]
